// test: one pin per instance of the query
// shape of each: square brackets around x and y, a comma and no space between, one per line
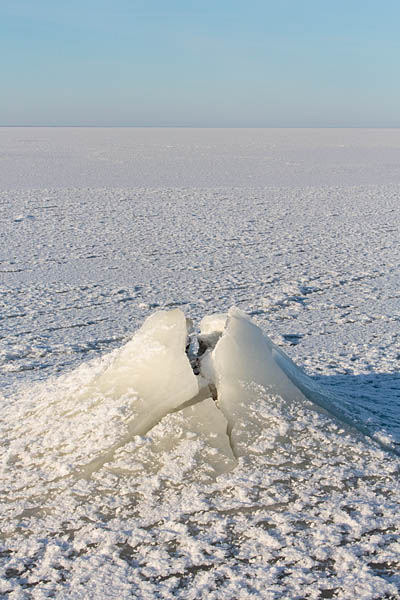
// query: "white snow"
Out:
[127,474]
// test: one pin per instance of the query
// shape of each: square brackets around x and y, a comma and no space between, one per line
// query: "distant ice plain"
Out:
[300,229]
[36,158]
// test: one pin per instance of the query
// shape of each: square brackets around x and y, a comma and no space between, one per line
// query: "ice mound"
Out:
[217,397]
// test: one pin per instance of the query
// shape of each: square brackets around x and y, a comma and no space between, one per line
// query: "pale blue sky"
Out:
[254,63]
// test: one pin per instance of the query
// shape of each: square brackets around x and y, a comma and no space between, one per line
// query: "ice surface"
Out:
[299,229]
[191,158]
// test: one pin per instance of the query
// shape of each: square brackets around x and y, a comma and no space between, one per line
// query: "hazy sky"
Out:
[255,63]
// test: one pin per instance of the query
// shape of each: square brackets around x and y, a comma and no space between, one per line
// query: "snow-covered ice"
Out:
[157,443]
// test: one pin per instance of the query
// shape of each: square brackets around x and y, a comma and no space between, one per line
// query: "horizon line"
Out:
[41,126]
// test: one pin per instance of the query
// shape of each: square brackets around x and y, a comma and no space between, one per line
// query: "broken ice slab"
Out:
[142,411]
[211,329]
[257,384]
[154,368]
[242,368]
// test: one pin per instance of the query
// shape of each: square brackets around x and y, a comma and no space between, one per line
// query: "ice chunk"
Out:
[71,427]
[252,375]
[154,368]
[211,328]
[243,367]
[213,323]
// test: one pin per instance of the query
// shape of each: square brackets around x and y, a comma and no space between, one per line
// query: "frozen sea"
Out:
[102,228]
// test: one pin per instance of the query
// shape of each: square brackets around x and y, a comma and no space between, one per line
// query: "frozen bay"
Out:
[299,229]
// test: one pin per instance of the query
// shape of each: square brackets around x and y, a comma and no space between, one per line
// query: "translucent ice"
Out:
[153,366]
[252,377]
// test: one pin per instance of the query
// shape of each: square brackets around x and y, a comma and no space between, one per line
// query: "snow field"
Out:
[298,229]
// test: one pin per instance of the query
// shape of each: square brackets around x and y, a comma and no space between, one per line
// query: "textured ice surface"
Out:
[100,228]
[129,459]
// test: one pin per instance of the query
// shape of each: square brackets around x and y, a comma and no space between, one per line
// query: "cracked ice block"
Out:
[153,366]
[244,369]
